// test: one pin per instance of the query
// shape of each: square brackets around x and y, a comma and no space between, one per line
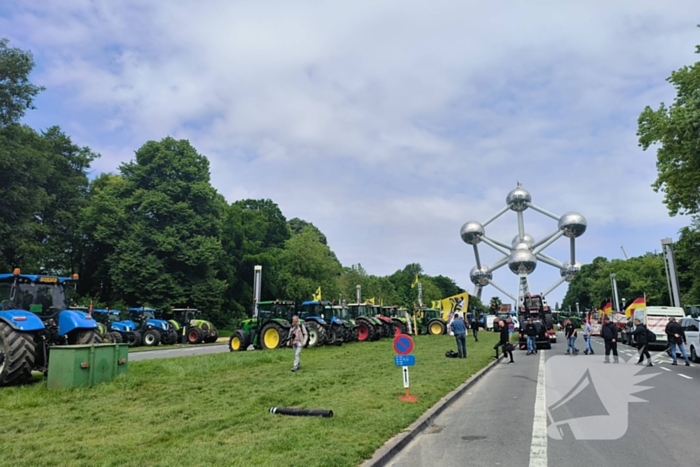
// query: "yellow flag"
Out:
[415,281]
[456,303]
[435,304]
[370,300]
[317,295]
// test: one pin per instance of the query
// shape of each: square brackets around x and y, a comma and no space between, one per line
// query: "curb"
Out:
[391,448]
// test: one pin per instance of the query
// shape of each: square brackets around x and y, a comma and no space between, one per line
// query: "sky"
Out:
[386,124]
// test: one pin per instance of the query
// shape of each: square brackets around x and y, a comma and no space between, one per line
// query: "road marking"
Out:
[538,448]
[664,368]
[684,376]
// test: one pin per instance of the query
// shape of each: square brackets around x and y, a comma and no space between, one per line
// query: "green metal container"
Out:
[81,366]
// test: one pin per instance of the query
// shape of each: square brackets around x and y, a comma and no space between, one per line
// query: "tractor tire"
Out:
[271,336]
[18,355]
[194,336]
[399,327]
[170,337]
[238,341]
[84,337]
[133,338]
[332,337]
[151,338]
[436,327]
[365,330]
[317,335]
[378,331]
[114,337]
[213,337]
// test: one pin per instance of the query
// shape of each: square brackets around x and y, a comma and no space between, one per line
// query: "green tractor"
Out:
[188,323]
[268,331]
[430,322]
[369,328]
[398,318]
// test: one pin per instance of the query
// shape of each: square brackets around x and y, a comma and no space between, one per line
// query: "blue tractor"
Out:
[153,331]
[34,318]
[323,316]
[115,331]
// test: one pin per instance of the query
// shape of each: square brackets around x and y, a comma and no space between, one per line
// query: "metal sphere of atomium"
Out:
[518,199]
[572,224]
[522,261]
[480,276]
[471,232]
[527,238]
[568,271]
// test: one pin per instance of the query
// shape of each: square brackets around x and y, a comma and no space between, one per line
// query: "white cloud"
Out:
[386,126]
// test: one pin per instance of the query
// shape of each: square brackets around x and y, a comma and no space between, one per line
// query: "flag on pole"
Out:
[454,304]
[370,300]
[638,304]
[435,304]
[415,282]
[606,307]
[317,295]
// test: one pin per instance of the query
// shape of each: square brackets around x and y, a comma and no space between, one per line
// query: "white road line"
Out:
[538,448]
[664,368]
[684,376]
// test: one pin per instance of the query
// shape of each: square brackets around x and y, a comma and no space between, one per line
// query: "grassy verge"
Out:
[213,409]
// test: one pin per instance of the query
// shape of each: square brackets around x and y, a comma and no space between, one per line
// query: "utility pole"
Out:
[671,274]
[257,279]
[613,280]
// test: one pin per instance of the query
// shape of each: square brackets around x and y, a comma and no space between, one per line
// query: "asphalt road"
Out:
[179,352]
[501,420]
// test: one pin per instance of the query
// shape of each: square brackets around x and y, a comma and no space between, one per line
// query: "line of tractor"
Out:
[330,324]
[35,316]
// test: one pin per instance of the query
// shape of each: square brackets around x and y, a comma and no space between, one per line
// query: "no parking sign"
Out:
[403,346]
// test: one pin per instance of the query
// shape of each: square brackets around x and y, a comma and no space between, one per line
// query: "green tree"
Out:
[16,91]
[296,225]
[495,304]
[306,264]
[169,249]
[676,129]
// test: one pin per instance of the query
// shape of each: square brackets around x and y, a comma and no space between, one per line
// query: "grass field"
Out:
[213,409]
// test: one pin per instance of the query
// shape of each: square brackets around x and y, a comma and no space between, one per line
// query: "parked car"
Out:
[691,327]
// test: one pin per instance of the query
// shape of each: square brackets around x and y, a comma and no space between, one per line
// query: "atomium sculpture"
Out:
[522,254]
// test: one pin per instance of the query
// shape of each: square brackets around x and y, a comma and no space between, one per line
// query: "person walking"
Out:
[640,337]
[298,337]
[504,342]
[459,329]
[570,333]
[531,333]
[609,333]
[676,337]
[587,337]
[475,329]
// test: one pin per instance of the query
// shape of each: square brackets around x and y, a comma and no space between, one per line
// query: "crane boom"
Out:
[623,252]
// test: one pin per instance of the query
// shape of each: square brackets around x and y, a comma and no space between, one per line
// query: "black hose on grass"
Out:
[301,412]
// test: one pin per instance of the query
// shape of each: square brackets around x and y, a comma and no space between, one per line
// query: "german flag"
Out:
[639,303]
[606,307]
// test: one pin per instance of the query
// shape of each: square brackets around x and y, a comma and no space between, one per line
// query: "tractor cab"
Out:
[536,308]
[277,309]
[369,328]
[44,296]
[430,321]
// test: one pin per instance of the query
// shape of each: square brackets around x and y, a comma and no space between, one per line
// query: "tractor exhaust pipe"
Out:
[301,412]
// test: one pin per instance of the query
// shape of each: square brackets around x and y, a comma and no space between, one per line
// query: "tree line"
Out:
[157,233]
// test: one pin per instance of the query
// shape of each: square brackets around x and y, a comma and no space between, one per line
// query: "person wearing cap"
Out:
[459,328]
[676,338]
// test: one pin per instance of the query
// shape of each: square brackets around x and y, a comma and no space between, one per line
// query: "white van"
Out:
[691,327]
[489,321]
[656,319]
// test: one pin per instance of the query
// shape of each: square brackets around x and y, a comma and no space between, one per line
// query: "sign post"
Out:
[403,346]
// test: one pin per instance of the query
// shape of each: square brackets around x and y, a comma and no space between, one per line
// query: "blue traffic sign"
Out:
[403,344]
[405,360]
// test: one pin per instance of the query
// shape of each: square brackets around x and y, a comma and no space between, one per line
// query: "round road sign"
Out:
[403,344]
